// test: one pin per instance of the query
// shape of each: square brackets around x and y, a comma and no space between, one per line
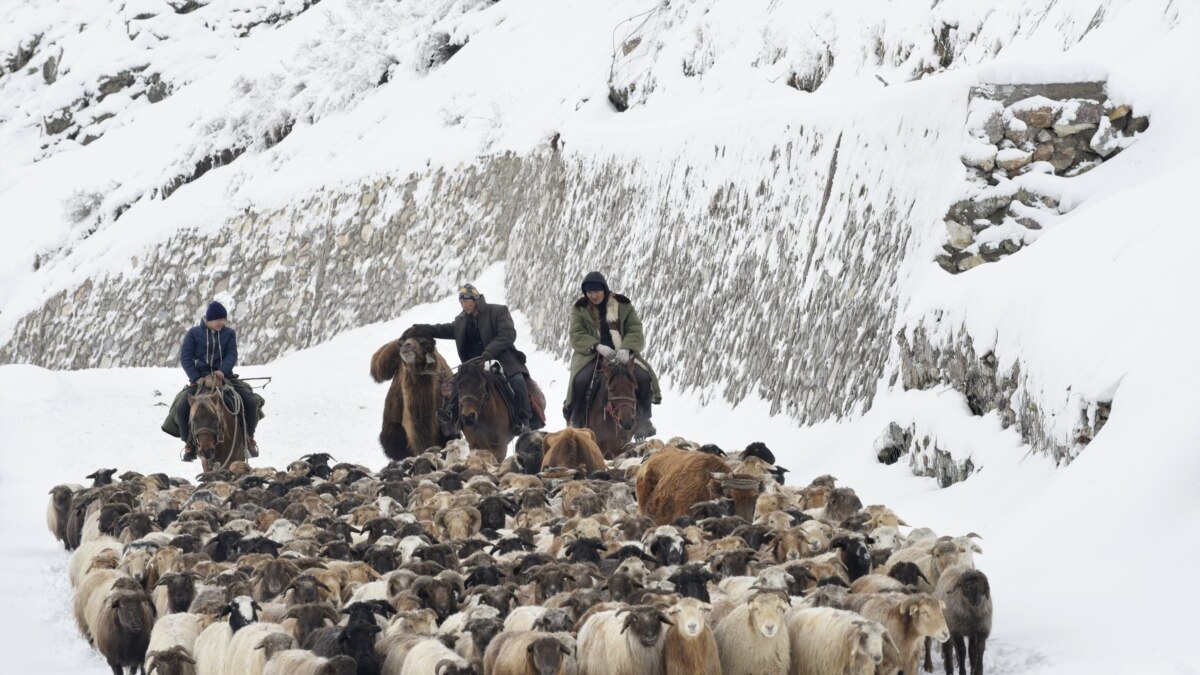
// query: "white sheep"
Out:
[304,662]
[528,653]
[521,619]
[825,640]
[753,638]
[251,646]
[177,630]
[213,643]
[622,641]
[431,657]
[86,554]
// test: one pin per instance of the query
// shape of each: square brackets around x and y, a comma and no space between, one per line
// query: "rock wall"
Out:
[764,267]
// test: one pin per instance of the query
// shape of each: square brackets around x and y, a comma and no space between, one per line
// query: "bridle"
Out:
[615,403]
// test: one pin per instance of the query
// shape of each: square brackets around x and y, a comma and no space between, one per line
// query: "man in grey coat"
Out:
[486,332]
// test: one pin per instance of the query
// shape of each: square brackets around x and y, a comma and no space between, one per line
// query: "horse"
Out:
[483,410]
[218,431]
[417,371]
[613,410]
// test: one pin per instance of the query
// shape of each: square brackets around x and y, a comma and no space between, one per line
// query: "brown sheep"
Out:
[689,647]
[573,449]
[909,619]
[688,478]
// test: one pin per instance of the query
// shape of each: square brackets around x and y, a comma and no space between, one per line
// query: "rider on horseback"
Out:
[482,332]
[621,340]
[210,348]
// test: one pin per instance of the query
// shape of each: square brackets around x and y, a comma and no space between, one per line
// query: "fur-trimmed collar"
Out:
[583,302]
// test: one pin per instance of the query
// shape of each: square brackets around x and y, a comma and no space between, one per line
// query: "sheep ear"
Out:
[529,649]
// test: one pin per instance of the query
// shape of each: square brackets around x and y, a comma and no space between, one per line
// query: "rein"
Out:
[235,408]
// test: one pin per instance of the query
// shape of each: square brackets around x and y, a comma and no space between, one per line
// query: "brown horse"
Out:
[613,410]
[483,410]
[218,431]
[417,372]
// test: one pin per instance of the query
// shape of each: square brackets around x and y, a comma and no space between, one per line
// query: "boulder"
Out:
[1137,125]
[1013,159]
[970,262]
[1078,115]
[1106,140]
[1042,152]
[1038,112]
[58,121]
[960,235]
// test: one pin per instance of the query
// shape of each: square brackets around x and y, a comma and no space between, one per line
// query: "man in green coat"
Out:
[621,339]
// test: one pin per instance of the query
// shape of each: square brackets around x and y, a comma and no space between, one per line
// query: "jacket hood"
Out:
[594,278]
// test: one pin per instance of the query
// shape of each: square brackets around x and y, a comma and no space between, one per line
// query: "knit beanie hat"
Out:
[215,311]
[468,292]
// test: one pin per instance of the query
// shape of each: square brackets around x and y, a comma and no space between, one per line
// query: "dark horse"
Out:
[417,372]
[613,410]
[218,431]
[483,410]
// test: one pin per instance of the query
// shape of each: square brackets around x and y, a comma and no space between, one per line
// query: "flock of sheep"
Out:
[670,558]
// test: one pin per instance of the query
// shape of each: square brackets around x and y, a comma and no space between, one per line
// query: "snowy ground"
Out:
[1069,551]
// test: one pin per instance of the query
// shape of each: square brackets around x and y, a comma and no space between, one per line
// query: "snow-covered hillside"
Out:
[779,185]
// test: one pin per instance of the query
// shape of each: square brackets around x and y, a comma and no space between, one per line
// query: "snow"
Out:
[1088,562]
[1068,551]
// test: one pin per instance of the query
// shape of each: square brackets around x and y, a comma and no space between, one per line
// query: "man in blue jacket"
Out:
[211,348]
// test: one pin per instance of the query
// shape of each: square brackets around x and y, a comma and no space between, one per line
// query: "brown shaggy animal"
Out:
[417,371]
[574,449]
[688,478]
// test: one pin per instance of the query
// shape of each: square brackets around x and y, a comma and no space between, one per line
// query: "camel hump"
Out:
[385,363]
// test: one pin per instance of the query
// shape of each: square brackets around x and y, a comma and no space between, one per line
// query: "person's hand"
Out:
[220,375]
[486,356]
[623,356]
[606,351]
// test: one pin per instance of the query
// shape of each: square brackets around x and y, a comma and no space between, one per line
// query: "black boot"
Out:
[189,454]
[643,427]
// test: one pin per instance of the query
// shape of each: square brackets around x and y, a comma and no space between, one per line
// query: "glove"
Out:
[486,356]
[606,351]
[623,356]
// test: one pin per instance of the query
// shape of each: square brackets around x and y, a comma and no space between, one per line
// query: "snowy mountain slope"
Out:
[718,172]
[1063,547]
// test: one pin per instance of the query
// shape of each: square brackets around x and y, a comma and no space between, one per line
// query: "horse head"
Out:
[620,386]
[420,354]
[474,392]
[206,421]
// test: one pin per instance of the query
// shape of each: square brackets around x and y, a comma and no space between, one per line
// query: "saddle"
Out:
[537,400]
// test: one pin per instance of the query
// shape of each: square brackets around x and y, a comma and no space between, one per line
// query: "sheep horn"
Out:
[972,535]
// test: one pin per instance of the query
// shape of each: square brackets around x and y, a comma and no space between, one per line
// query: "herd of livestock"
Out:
[668,558]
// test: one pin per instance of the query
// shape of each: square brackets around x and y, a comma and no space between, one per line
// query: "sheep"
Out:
[92,591]
[431,657]
[459,522]
[173,661]
[690,647]
[753,639]
[58,510]
[854,554]
[573,449]
[909,619]
[825,640]
[121,629]
[86,554]
[356,639]
[622,641]
[176,630]
[968,609]
[213,642]
[527,653]
[174,592]
[250,647]
[304,662]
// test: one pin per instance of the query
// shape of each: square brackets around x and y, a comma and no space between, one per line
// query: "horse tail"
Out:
[386,362]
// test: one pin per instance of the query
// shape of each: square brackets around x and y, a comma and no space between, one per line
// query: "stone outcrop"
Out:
[1064,129]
